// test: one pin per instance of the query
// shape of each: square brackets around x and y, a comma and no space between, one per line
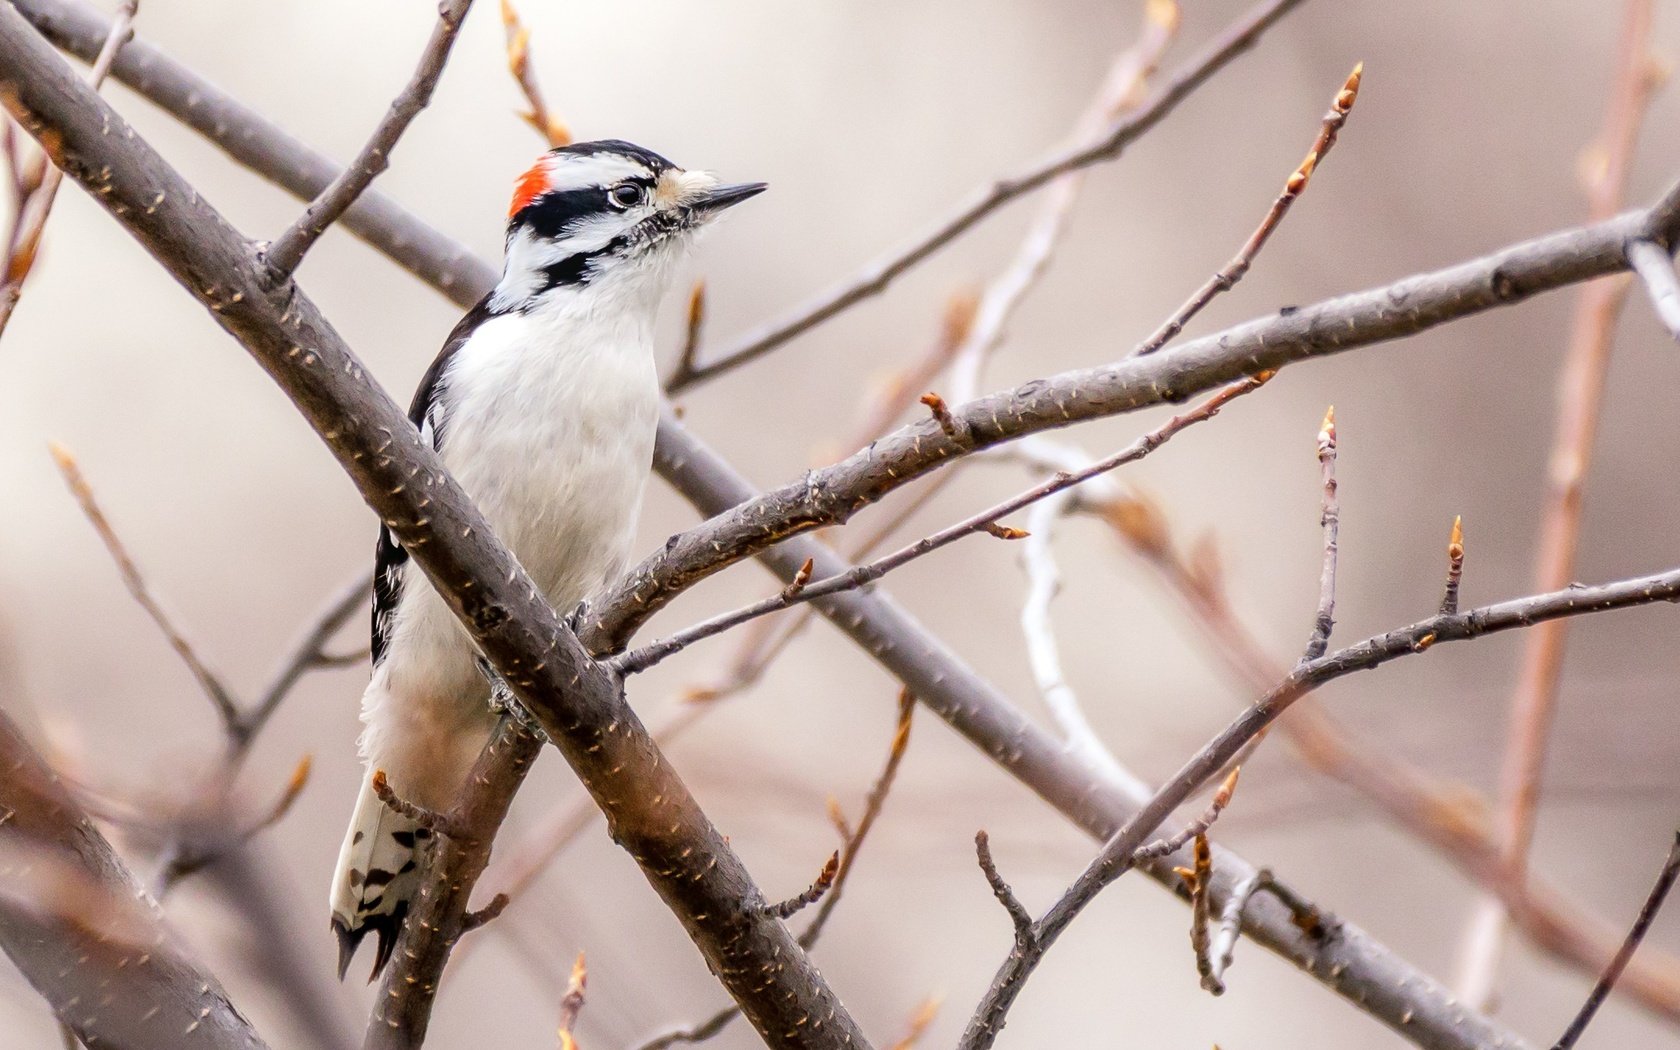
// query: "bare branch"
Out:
[37,193]
[812,894]
[645,657]
[209,681]
[1381,983]
[1235,40]
[553,130]
[1647,915]
[1119,855]
[80,929]
[579,702]
[1238,267]
[1455,567]
[1019,917]
[290,247]
[1196,828]
[572,1004]
[1330,519]
[1581,384]
[307,653]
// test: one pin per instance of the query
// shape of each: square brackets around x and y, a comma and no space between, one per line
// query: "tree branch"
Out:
[1234,41]
[1120,854]
[1647,915]
[1371,976]
[1655,268]
[579,703]
[82,931]
[290,247]
[799,591]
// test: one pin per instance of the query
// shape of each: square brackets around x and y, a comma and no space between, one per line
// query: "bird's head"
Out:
[605,214]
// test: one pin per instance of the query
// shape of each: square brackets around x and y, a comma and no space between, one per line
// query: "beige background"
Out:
[868,120]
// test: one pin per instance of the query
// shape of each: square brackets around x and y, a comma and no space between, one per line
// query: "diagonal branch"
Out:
[209,681]
[799,591]
[1234,41]
[1370,975]
[1636,933]
[290,247]
[579,703]
[80,929]
[1120,854]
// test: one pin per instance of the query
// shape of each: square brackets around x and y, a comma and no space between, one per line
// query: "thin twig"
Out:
[431,820]
[288,249]
[812,894]
[1198,881]
[1445,814]
[1581,384]
[1196,828]
[1224,946]
[1119,854]
[572,1004]
[1330,520]
[641,659]
[1655,268]
[1455,567]
[853,842]
[693,327]
[306,654]
[1238,267]
[919,1022]
[1019,917]
[1647,915]
[1238,38]
[553,130]
[209,681]
[36,189]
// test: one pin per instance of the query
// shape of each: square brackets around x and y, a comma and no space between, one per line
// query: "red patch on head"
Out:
[531,185]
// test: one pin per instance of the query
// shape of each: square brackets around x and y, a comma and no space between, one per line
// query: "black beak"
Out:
[723,197]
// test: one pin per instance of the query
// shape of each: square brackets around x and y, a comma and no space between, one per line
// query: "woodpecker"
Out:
[543,404]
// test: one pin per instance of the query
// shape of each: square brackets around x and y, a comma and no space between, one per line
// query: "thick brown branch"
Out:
[578,702]
[1370,975]
[290,247]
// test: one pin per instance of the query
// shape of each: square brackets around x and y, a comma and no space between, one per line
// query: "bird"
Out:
[543,405]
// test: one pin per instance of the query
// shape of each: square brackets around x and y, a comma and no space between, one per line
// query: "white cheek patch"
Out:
[676,187]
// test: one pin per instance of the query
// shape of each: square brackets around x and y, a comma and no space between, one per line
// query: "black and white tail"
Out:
[378,871]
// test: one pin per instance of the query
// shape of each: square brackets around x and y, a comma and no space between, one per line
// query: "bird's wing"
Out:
[389,558]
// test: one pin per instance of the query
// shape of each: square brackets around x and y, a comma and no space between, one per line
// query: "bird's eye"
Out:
[625,195]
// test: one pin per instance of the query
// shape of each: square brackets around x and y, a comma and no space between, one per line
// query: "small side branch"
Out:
[35,187]
[1455,568]
[1237,268]
[550,127]
[1196,828]
[1647,914]
[1330,519]
[1019,917]
[1655,268]
[290,247]
[814,893]
[572,1004]
[209,681]
[431,820]
[641,659]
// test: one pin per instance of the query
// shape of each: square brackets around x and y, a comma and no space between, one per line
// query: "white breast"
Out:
[548,422]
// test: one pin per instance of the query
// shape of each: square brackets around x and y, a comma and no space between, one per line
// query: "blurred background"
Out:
[869,120]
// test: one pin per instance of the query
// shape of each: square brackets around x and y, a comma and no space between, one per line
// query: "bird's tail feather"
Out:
[378,871]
